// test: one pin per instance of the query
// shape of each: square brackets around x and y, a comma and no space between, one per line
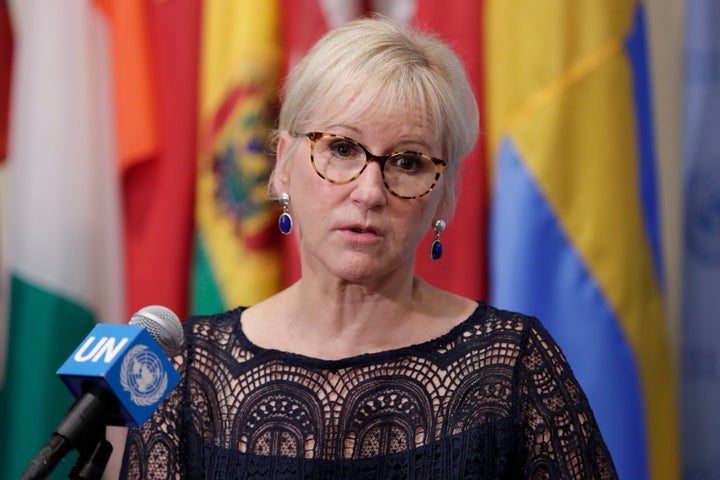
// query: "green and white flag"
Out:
[62,238]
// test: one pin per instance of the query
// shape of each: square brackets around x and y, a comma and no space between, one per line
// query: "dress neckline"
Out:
[364,358]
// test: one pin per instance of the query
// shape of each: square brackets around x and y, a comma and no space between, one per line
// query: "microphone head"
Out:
[163,325]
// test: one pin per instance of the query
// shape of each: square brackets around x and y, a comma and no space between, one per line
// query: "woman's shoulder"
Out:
[525,332]
[212,326]
[488,327]
[476,320]
[488,319]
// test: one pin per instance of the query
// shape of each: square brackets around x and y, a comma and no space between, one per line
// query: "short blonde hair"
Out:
[375,59]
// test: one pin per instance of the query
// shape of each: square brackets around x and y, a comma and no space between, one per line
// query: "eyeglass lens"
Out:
[340,160]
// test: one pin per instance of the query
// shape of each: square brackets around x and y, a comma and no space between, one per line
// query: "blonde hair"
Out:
[374,59]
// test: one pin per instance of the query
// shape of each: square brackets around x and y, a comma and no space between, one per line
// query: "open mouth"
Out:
[365,231]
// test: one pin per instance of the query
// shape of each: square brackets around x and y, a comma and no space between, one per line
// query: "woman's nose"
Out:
[370,186]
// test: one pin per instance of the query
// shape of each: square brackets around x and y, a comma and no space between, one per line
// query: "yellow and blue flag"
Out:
[574,234]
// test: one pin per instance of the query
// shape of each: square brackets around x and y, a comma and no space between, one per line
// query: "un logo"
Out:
[142,374]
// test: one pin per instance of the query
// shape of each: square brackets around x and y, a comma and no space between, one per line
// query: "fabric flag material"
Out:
[135,107]
[574,232]
[463,267]
[6,54]
[237,254]
[63,232]
[6,61]
[159,177]
[701,328]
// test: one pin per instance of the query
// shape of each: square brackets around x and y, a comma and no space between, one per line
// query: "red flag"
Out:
[463,267]
[6,54]
[159,191]
[298,37]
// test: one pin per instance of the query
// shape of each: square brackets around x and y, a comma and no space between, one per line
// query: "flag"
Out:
[134,89]
[574,229]
[6,54]
[236,253]
[701,328]
[463,267]
[6,61]
[62,228]
[159,173]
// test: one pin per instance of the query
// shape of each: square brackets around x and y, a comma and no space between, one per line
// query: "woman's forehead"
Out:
[372,107]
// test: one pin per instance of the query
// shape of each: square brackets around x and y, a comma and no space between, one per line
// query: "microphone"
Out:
[119,375]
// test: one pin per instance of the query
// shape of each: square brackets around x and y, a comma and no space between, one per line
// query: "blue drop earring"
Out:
[436,248]
[285,222]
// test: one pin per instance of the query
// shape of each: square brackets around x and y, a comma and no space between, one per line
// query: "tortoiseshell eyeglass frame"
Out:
[314,137]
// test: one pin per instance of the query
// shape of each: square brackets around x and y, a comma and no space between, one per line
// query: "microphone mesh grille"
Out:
[163,325]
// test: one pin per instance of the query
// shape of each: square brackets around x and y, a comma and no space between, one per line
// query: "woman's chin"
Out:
[359,267]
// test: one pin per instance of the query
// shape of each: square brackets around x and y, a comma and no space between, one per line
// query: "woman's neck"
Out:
[349,320]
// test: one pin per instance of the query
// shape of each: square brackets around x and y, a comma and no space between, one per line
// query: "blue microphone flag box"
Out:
[127,361]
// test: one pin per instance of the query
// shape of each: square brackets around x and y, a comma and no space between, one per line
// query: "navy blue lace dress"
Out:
[494,398]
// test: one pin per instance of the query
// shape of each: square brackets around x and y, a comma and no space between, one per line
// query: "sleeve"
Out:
[560,436]
[155,449]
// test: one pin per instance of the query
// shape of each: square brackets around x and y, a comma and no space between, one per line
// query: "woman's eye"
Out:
[408,163]
[344,149]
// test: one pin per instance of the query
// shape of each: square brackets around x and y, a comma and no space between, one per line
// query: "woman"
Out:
[361,369]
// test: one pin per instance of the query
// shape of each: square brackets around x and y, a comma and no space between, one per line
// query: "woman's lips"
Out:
[362,231]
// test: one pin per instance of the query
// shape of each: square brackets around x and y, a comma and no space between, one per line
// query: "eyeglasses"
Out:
[341,160]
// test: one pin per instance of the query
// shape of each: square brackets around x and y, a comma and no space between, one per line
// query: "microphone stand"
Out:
[82,429]
[94,455]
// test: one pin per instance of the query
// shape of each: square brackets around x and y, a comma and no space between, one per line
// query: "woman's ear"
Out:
[281,178]
[445,209]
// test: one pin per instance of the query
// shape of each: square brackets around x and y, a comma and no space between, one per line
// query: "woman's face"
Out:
[359,231]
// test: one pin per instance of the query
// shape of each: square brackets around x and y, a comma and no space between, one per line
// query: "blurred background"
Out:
[133,136]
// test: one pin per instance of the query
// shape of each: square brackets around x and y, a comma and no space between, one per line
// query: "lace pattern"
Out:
[493,398]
